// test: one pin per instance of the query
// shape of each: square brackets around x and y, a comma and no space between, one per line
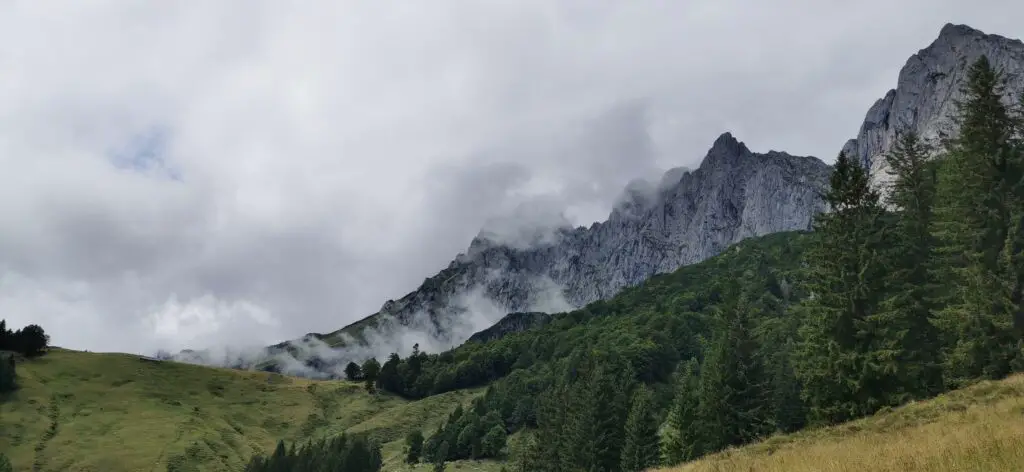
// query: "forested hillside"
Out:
[873,309]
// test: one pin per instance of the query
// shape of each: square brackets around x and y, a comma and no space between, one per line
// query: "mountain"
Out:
[685,218]
[927,90]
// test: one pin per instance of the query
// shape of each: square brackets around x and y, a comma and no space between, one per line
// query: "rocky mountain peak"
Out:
[726,146]
[927,89]
[952,31]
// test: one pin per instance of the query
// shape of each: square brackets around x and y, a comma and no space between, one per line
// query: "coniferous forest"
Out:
[894,296]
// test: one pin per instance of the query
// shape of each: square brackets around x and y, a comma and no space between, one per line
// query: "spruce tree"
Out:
[788,410]
[640,449]
[5,464]
[845,277]
[978,221]
[734,405]
[681,439]
[906,342]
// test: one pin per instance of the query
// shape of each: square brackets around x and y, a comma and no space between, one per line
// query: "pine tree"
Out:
[978,227]
[845,275]
[640,450]
[681,441]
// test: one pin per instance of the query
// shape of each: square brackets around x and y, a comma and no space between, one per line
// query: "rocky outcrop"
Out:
[927,90]
[657,227]
[511,323]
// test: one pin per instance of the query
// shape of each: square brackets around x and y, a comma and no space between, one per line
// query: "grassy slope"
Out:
[114,412]
[976,429]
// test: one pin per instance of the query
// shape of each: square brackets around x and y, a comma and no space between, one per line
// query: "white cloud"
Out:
[304,163]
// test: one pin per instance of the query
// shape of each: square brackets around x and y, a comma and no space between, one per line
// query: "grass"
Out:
[979,428]
[114,412]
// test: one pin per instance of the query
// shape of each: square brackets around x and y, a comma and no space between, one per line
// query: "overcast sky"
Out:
[187,174]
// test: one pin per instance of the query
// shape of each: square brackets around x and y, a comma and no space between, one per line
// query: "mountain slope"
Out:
[977,428]
[116,412]
[687,217]
[657,228]
[927,90]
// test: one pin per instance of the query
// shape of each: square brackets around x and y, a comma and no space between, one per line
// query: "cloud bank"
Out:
[191,175]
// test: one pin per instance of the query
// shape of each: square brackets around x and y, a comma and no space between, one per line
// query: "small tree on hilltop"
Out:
[353,372]
[32,341]
[371,368]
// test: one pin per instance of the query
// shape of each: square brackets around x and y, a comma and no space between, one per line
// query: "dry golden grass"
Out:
[976,429]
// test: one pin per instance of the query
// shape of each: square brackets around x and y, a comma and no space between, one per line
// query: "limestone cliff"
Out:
[927,90]
[657,227]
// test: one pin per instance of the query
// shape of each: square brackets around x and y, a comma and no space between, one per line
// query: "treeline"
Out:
[343,452]
[30,341]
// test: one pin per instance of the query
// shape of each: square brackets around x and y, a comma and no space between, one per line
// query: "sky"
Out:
[236,172]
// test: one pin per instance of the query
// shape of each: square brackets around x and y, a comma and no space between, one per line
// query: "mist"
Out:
[468,312]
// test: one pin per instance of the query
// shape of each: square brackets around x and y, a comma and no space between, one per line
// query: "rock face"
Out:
[928,87]
[511,323]
[658,227]
[685,218]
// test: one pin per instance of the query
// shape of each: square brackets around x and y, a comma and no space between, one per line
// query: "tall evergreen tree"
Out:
[977,224]
[640,449]
[734,404]
[845,275]
[906,342]
[789,413]
[681,439]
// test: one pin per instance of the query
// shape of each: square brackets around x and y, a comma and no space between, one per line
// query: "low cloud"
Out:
[202,174]
[469,312]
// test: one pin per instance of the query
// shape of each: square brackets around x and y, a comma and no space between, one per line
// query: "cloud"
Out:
[184,175]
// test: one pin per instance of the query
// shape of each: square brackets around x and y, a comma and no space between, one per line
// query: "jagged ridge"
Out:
[927,90]
[688,217]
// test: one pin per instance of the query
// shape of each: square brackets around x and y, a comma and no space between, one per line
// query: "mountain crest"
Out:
[927,90]
[725,151]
